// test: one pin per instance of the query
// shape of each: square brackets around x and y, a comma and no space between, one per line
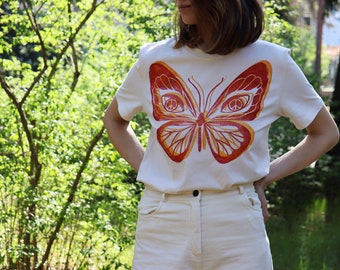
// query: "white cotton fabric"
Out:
[289,95]
[210,231]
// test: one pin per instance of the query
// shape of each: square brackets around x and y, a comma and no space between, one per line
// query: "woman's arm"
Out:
[322,135]
[122,136]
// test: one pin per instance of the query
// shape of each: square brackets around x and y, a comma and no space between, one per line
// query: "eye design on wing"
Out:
[219,122]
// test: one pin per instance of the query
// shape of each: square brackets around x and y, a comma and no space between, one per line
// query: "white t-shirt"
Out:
[210,114]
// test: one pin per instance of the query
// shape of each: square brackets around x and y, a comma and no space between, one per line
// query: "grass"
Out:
[306,240]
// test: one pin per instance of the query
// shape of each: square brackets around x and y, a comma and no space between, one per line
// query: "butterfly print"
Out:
[216,121]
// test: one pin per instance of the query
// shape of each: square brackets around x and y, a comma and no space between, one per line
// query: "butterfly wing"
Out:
[228,139]
[243,98]
[227,134]
[177,138]
[174,103]
[171,97]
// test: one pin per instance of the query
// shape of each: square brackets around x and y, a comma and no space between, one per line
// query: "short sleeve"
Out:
[129,94]
[298,99]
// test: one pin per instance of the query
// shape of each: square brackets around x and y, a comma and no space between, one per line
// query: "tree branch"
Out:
[70,198]
[74,58]
[35,168]
[73,35]
[33,21]
[34,163]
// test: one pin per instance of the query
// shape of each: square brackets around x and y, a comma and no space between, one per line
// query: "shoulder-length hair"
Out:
[229,24]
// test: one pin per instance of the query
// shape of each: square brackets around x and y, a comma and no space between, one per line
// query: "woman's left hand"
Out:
[259,188]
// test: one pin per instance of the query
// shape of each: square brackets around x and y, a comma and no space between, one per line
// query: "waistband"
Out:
[198,194]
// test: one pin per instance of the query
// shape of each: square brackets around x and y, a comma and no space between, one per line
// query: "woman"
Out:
[211,94]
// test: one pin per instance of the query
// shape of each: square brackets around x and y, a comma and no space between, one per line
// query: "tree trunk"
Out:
[320,23]
[332,183]
[335,110]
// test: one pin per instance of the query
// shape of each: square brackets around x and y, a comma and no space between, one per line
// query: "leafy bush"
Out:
[66,196]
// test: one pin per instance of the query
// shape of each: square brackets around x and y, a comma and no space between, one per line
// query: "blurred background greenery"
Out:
[67,200]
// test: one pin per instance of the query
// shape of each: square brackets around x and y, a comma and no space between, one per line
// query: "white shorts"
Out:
[201,230]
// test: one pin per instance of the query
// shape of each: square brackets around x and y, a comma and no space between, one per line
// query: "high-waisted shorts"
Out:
[201,230]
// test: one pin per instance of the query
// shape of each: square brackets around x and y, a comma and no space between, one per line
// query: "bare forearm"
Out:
[123,137]
[322,136]
[300,157]
[127,145]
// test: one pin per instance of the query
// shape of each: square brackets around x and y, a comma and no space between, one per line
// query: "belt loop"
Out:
[163,197]
[240,189]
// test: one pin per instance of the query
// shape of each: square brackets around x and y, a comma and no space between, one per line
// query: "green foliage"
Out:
[299,40]
[67,199]
[283,135]
[283,9]
[308,241]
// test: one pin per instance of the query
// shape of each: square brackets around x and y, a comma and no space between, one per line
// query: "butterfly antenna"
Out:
[209,98]
[199,91]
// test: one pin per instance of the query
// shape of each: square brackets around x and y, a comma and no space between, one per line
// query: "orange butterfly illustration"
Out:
[218,122]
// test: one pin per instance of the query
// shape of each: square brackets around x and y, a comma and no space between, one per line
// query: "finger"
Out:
[265,214]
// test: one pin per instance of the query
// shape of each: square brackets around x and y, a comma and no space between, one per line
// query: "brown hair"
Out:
[231,24]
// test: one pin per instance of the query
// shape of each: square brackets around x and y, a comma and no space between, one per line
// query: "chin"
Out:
[189,22]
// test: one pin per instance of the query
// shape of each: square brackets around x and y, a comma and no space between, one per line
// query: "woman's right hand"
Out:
[122,136]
